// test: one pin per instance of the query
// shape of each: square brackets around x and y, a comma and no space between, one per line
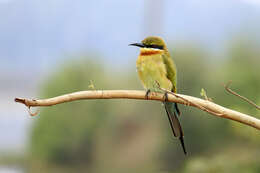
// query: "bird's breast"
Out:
[151,71]
[150,52]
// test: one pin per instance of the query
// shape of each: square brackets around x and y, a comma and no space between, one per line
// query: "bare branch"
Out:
[204,105]
[192,103]
[238,95]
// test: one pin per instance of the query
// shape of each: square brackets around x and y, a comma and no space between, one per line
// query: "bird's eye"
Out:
[155,46]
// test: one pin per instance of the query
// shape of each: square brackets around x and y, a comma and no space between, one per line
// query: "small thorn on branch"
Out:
[238,95]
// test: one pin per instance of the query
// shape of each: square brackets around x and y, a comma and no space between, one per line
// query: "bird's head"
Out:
[151,43]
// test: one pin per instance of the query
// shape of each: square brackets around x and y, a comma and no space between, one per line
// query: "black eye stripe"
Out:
[154,46]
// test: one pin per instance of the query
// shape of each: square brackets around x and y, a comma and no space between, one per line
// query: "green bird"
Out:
[157,70]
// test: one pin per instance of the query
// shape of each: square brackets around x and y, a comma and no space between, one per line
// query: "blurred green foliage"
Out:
[134,136]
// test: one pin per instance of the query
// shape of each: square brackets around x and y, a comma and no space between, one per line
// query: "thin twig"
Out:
[204,94]
[238,95]
[31,113]
[202,104]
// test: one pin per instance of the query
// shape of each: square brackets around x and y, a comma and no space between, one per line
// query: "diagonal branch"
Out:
[238,95]
[204,105]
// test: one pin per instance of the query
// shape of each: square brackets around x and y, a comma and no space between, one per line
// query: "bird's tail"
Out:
[172,112]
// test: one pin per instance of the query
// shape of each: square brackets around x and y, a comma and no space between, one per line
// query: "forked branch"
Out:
[204,105]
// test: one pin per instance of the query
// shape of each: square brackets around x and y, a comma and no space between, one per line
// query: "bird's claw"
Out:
[147,94]
[165,96]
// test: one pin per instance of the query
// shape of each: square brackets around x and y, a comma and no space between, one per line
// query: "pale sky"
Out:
[252,2]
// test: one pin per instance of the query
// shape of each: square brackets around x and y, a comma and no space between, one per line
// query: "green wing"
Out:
[172,109]
[171,70]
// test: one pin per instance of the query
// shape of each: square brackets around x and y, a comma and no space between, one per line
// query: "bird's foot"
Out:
[165,96]
[147,94]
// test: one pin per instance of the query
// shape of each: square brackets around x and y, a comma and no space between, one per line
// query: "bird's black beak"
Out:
[137,44]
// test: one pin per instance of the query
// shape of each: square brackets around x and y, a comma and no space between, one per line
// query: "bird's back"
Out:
[171,69]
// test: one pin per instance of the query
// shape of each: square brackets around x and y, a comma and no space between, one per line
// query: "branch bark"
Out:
[204,105]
